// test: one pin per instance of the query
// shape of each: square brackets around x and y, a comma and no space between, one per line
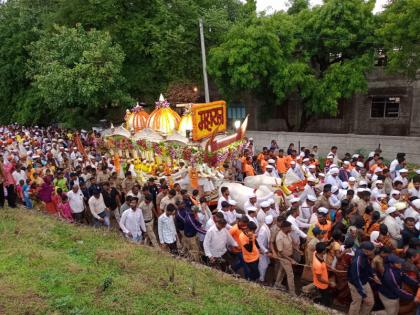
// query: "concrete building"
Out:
[390,107]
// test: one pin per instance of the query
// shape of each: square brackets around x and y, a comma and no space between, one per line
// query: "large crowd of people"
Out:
[349,236]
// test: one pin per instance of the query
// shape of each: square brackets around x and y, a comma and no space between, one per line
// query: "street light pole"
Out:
[203,57]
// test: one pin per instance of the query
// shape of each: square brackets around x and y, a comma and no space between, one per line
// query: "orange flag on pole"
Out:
[80,146]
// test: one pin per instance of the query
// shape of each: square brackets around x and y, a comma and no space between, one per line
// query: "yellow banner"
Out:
[207,118]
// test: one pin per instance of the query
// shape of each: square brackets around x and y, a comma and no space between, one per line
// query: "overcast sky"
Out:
[281,4]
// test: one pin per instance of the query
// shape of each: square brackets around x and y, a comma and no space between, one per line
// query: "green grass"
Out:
[51,267]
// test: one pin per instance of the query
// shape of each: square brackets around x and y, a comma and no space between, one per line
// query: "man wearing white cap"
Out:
[312,171]
[309,189]
[333,178]
[274,212]
[270,171]
[344,173]
[305,166]
[306,209]
[402,177]
[376,173]
[273,172]
[262,213]
[352,184]
[378,189]
[232,214]
[75,154]
[395,197]
[252,214]
[227,214]
[295,171]
[394,227]
[251,202]
[334,199]
[355,172]
[263,238]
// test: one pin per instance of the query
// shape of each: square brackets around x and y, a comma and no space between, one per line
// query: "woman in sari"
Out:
[343,262]
[45,195]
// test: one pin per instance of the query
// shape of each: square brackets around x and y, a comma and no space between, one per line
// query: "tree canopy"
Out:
[400,32]
[61,59]
[145,46]
[322,55]
[77,72]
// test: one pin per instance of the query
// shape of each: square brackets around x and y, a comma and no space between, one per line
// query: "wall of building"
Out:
[354,114]
[351,143]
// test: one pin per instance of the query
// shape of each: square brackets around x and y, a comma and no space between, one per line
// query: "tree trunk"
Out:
[304,119]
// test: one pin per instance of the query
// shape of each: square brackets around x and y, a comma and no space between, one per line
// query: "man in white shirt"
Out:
[252,214]
[296,233]
[263,212]
[333,178]
[166,229]
[394,228]
[135,192]
[98,209]
[274,172]
[395,197]
[274,211]
[269,171]
[217,241]
[306,209]
[224,197]
[170,198]
[309,189]
[295,170]
[402,177]
[226,214]
[263,238]
[355,172]
[19,175]
[378,189]
[132,222]
[333,152]
[415,191]
[412,210]
[77,203]
[251,202]
[392,167]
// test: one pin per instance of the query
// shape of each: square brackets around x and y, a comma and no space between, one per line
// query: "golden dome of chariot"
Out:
[186,123]
[163,119]
[136,119]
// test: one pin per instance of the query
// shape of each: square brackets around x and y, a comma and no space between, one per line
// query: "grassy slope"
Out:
[50,267]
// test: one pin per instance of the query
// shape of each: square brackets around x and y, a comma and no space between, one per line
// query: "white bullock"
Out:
[241,193]
[263,180]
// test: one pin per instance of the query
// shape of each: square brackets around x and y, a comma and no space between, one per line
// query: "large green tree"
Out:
[400,35]
[159,39]
[18,21]
[322,55]
[77,73]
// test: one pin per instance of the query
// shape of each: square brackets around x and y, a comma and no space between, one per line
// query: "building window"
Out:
[385,107]
[236,112]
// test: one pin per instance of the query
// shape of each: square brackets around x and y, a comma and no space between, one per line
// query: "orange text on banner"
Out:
[207,118]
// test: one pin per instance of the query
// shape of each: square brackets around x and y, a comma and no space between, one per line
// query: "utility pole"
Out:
[203,57]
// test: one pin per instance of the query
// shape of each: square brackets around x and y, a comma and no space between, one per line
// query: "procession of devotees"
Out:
[348,236]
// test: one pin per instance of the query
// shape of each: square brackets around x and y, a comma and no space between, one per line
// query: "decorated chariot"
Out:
[188,149]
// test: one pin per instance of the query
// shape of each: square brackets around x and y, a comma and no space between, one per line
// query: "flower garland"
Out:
[173,151]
